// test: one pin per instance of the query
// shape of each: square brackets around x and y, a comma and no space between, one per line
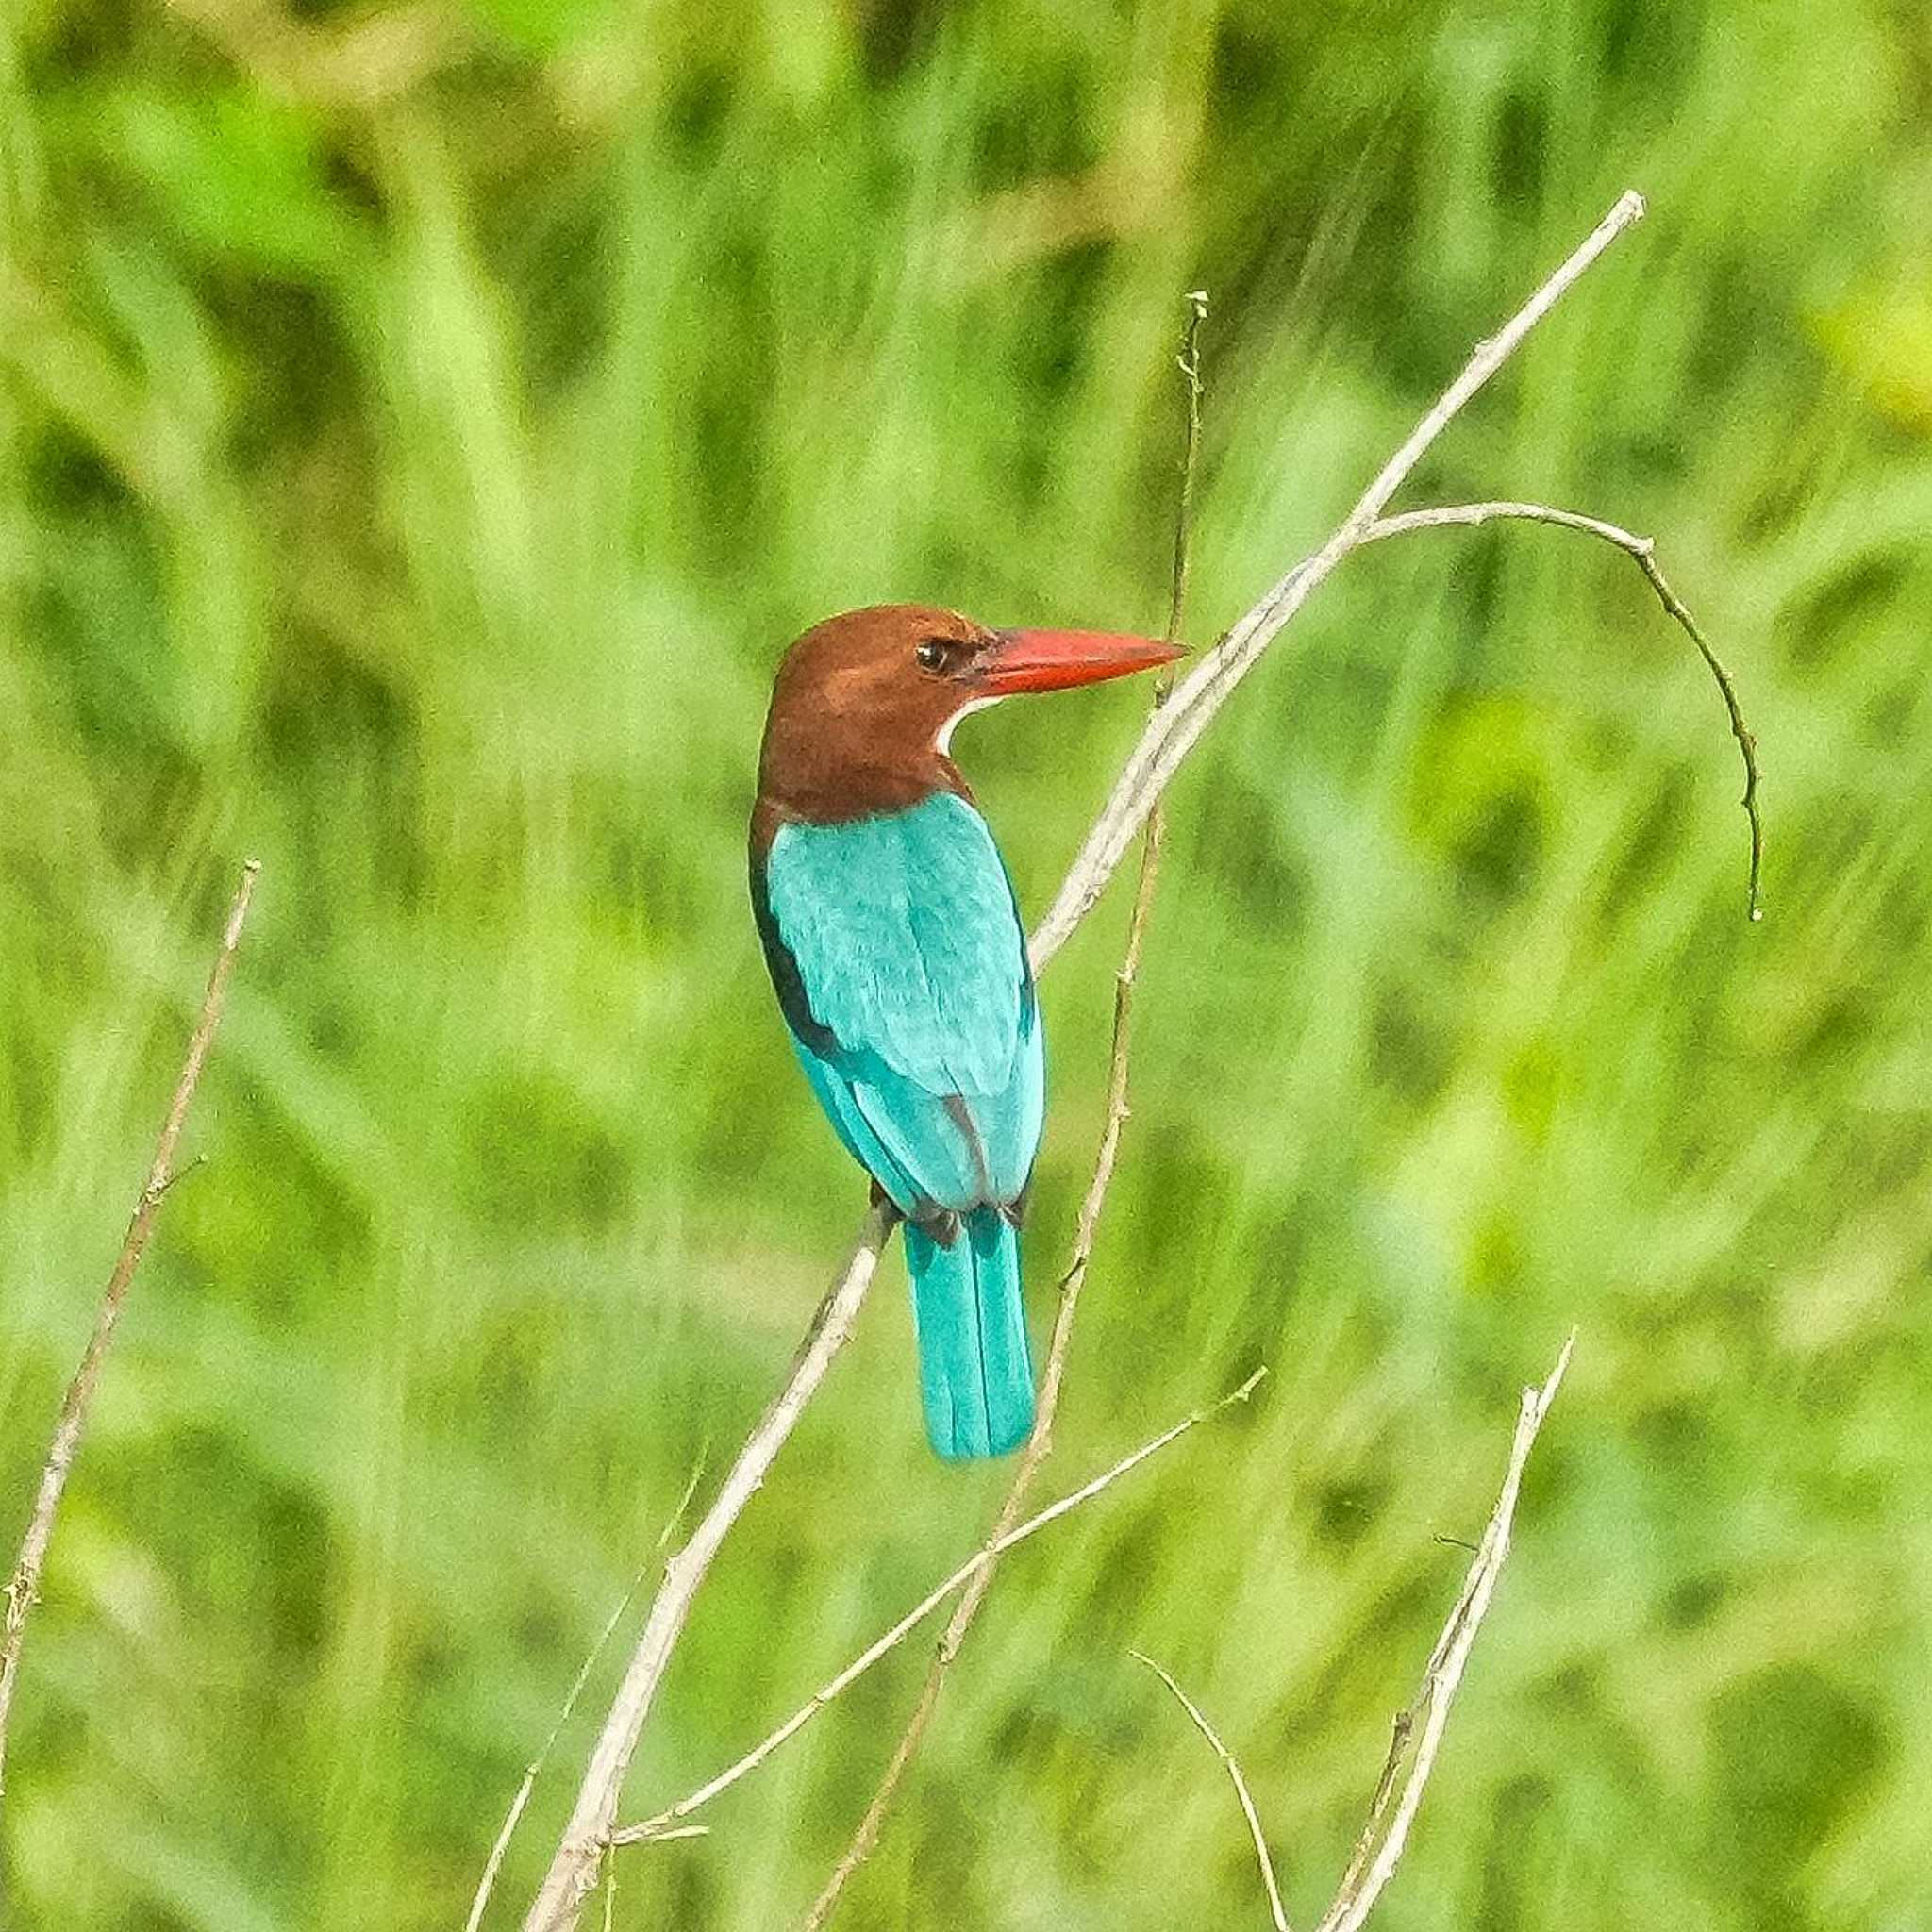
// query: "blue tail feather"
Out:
[975,1376]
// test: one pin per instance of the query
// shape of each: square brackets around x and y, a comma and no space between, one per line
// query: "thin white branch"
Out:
[1174,731]
[654,1827]
[574,1869]
[1380,1846]
[22,1590]
[1275,1909]
[1468,515]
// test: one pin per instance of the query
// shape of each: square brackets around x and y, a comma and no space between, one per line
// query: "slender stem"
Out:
[1642,551]
[1188,363]
[1276,1911]
[23,1589]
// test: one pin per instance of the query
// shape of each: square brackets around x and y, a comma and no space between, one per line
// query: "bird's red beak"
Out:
[1053,659]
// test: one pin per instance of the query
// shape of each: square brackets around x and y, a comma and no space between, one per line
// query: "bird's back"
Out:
[896,947]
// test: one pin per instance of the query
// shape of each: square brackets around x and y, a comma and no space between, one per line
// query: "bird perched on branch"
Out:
[895,942]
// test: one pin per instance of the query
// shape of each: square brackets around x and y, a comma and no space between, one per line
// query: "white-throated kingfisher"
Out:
[895,941]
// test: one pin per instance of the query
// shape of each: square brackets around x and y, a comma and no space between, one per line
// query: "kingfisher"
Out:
[895,943]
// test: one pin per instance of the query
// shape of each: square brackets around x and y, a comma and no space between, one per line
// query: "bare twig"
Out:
[574,1869]
[1386,1831]
[974,1565]
[21,1592]
[1039,1443]
[1642,551]
[1175,730]
[486,1884]
[1170,734]
[1276,1910]
[1189,362]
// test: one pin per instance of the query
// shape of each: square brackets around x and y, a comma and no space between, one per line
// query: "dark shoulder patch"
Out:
[787,981]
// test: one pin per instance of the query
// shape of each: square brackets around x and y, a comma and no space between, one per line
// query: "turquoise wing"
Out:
[900,961]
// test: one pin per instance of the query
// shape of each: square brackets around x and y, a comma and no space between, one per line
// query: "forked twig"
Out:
[1392,1810]
[1642,552]
[1384,1832]
[1175,730]
[651,1828]
[1039,1443]
[1243,1796]
[22,1590]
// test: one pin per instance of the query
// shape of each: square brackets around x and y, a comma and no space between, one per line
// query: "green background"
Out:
[420,429]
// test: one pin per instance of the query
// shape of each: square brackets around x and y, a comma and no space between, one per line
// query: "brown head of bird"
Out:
[864,709]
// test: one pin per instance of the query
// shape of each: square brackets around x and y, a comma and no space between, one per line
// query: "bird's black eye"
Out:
[931,653]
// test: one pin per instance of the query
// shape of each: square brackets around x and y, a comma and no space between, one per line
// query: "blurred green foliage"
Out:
[419,432]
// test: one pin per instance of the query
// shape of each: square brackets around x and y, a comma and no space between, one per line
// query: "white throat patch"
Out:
[944,743]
